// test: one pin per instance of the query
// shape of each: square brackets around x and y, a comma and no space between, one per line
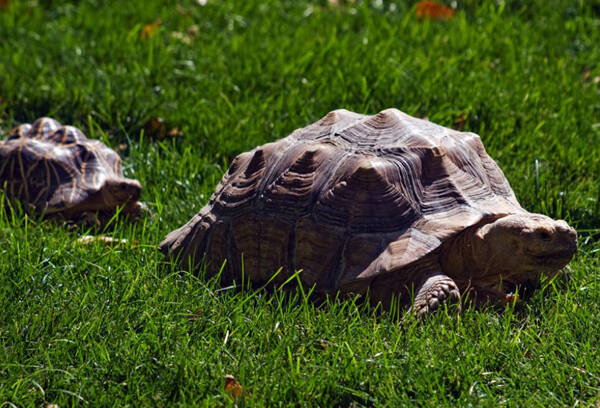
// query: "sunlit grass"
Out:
[114,326]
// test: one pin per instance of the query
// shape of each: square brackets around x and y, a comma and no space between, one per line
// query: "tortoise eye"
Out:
[544,236]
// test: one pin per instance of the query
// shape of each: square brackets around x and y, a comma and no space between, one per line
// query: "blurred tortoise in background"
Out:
[55,169]
[386,204]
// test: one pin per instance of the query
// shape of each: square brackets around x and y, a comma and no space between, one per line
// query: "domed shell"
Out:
[56,168]
[345,199]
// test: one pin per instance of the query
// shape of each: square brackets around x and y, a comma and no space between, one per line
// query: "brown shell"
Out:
[345,199]
[56,168]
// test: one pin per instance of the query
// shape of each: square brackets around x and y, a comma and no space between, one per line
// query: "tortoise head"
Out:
[520,248]
[118,191]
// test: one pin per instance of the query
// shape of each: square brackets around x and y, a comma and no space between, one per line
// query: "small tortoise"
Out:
[55,169]
[387,204]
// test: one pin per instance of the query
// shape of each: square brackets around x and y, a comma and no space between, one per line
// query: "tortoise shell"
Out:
[55,168]
[346,199]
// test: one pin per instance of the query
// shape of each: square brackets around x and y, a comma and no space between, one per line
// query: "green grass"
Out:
[95,326]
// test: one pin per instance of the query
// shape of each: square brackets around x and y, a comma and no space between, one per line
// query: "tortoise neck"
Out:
[461,256]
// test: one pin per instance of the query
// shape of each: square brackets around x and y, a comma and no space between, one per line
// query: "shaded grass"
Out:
[101,327]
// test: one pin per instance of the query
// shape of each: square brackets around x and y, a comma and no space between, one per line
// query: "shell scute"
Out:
[293,191]
[317,251]
[262,245]
[364,200]
[217,250]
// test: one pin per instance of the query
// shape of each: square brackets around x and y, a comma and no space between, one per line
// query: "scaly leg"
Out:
[433,293]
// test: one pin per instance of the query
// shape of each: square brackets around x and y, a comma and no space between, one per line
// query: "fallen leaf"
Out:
[341,2]
[511,299]
[586,76]
[182,10]
[108,241]
[233,387]
[587,73]
[175,132]
[4,3]
[184,38]
[150,29]
[460,121]
[122,147]
[157,128]
[195,315]
[192,30]
[434,11]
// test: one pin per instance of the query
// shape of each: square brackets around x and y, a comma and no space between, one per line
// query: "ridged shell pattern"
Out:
[345,199]
[54,167]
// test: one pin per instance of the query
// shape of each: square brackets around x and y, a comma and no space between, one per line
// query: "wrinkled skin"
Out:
[492,261]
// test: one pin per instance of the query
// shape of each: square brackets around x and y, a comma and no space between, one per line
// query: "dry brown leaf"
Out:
[233,387]
[108,241]
[156,127]
[587,73]
[182,10]
[341,3]
[196,315]
[511,299]
[434,11]
[184,38]
[150,29]
[4,3]
[175,132]
[122,147]
[192,30]
[586,76]
[460,121]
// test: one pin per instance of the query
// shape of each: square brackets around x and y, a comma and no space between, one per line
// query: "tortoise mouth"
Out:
[505,291]
[561,251]
[523,289]
[556,259]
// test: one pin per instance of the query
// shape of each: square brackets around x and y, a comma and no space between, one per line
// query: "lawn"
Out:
[97,326]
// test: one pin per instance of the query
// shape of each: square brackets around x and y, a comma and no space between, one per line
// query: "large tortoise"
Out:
[387,204]
[54,169]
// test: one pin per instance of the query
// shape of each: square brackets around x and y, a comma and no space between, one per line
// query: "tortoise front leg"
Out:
[433,293]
